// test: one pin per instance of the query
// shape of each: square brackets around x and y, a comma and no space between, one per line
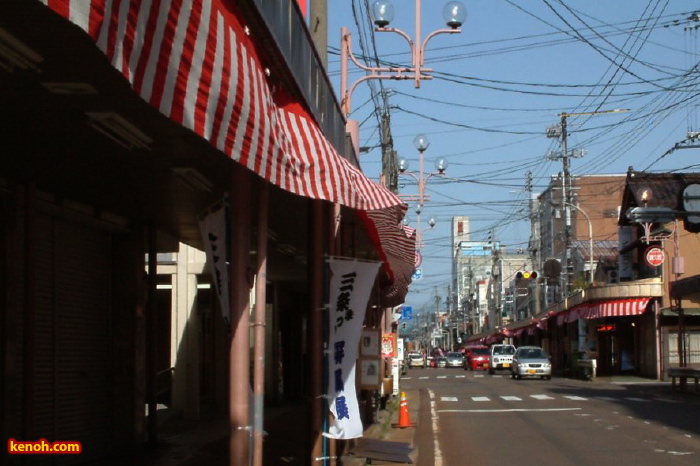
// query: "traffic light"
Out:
[526,275]
[403,325]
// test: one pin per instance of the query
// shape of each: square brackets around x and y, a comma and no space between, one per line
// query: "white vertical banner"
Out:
[215,240]
[350,287]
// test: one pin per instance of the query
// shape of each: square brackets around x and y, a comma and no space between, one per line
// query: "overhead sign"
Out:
[655,256]
[407,312]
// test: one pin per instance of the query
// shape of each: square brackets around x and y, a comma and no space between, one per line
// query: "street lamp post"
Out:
[590,240]
[454,14]
[421,143]
[561,131]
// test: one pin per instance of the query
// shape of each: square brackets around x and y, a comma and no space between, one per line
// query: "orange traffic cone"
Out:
[404,420]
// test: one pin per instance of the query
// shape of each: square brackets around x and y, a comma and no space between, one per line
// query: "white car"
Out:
[501,358]
[416,360]
[531,361]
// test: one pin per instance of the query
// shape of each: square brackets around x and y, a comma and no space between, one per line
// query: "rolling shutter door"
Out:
[72,364]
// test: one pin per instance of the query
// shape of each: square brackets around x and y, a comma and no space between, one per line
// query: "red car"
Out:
[476,357]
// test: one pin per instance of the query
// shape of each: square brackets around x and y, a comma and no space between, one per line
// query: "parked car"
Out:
[501,357]
[476,358]
[416,360]
[454,359]
[531,361]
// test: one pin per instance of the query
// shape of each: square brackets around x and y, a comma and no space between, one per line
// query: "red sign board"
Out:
[419,259]
[655,256]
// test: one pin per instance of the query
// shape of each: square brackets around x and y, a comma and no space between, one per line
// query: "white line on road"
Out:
[575,398]
[513,410]
[480,398]
[512,398]
[542,397]
[436,430]
[448,398]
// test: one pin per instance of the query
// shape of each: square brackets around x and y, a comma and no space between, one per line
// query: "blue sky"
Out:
[500,83]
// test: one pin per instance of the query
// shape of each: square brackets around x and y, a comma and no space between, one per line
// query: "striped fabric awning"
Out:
[619,308]
[196,62]
[613,308]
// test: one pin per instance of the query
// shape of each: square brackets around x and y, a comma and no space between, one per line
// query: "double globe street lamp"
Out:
[454,14]
[421,143]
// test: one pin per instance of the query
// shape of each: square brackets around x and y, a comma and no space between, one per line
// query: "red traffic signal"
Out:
[526,275]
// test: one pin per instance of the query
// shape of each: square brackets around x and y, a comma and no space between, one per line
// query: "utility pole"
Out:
[561,131]
[557,132]
[566,200]
[390,169]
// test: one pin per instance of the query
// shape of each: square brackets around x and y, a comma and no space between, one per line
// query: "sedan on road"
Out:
[454,359]
[531,361]
[476,357]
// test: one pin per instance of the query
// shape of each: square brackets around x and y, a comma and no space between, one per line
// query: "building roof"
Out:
[601,249]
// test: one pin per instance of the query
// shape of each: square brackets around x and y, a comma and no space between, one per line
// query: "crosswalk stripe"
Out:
[631,398]
[480,398]
[448,398]
[512,398]
[575,398]
[542,397]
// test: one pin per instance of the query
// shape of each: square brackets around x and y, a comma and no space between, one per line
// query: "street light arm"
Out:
[425,43]
[399,32]
[374,72]
[411,174]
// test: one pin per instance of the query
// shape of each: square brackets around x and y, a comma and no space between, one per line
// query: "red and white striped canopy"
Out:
[195,61]
[614,308]
[619,308]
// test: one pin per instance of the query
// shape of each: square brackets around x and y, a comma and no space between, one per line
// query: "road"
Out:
[474,418]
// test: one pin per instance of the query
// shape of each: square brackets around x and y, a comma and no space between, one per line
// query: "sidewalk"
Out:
[383,429]
[189,443]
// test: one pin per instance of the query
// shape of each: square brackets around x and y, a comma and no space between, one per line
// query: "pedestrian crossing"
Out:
[546,397]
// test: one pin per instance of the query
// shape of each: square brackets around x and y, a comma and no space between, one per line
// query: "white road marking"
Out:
[436,430]
[424,377]
[448,398]
[542,397]
[480,398]
[512,398]
[460,376]
[513,410]
[575,398]
[630,398]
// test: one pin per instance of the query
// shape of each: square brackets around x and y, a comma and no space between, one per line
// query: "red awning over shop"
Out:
[615,308]
[620,308]
[196,62]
